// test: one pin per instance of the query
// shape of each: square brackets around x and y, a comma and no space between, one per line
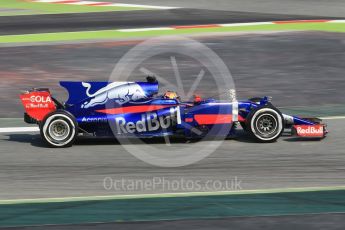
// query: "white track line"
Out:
[218,25]
[336,21]
[245,24]
[145,29]
[333,118]
[146,6]
[19,129]
[171,195]
[101,3]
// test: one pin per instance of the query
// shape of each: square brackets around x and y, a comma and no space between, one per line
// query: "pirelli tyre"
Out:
[59,129]
[265,124]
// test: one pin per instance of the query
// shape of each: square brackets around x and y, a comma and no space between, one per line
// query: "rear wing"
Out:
[37,103]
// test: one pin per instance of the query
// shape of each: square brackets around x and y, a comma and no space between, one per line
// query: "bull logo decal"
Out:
[120,92]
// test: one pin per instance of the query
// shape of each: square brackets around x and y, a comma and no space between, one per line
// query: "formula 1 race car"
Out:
[135,109]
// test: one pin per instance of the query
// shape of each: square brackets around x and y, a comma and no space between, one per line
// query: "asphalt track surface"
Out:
[30,170]
[306,222]
[287,66]
[132,19]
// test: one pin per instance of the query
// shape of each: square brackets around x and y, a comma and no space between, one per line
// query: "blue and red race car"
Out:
[135,109]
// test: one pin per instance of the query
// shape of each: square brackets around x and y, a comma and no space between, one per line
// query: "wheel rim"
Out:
[266,124]
[59,130]
[67,120]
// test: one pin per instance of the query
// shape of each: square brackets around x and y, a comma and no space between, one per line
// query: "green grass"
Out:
[21,7]
[114,34]
[173,208]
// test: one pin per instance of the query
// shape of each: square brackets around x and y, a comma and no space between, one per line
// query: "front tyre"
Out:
[59,129]
[265,124]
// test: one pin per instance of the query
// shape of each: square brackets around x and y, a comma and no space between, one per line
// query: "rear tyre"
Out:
[59,129]
[265,124]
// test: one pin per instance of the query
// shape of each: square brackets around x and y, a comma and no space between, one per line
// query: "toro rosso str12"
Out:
[135,109]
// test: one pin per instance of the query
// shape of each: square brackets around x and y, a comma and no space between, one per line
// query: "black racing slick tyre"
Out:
[265,124]
[59,129]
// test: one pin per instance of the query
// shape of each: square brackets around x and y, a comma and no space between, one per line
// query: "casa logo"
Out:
[307,130]
[148,122]
[40,99]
